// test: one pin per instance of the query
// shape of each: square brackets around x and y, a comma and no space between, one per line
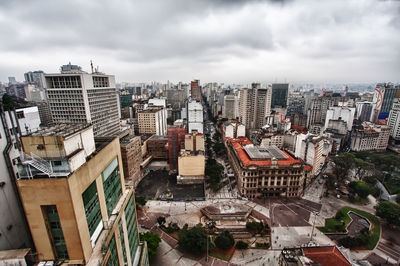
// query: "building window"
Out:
[92,208]
[20,114]
[55,231]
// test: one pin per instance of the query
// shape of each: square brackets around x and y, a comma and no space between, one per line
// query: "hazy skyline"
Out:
[221,40]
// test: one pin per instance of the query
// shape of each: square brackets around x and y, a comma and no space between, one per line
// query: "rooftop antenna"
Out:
[91,66]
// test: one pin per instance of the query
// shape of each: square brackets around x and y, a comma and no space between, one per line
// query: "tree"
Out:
[389,211]
[8,102]
[224,241]
[153,241]
[193,240]
[361,188]
[161,220]
[140,200]
[343,163]
[241,245]
[362,167]
[255,227]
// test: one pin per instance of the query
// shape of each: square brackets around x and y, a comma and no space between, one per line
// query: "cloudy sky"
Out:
[211,40]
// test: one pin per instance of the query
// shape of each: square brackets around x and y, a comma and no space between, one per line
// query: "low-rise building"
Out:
[191,167]
[369,137]
[265,172]
[157,147]
[233,129]
[326,255]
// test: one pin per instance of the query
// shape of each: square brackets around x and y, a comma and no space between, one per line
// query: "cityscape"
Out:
[214,140]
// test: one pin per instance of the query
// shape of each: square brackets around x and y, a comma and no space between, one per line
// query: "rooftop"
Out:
[250,155]
[264,153]
[63,130]
[330,255]
[156,137]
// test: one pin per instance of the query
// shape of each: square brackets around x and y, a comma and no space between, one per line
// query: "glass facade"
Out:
[121,233]
[55,231]
[92,207]
[112,185]
[133,237]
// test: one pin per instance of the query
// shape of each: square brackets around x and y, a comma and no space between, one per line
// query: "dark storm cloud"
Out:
[210,37]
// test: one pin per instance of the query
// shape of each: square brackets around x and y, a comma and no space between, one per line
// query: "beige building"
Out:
[75,200]
[191,161]
[265,172]
[369,137]
[153,121]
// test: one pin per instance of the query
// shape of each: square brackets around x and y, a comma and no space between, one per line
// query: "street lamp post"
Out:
[312,231]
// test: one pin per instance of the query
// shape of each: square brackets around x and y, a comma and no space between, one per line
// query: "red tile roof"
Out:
[237,144]
[326,256]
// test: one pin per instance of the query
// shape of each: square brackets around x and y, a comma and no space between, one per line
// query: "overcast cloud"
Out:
[221,40]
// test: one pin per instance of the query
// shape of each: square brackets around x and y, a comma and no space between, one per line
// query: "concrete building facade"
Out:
[370,137]
[195,116]
[265,172]
[76,203]
[131,153]
[153,120]
[394,120]
[75,96]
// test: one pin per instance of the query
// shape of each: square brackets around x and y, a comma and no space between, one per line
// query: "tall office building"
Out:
[364,111]
[279,95]
[254,106]
[195,116]
[75,96]
[229,109]
[176,141]
[36,77]
[195,90]
[75,200]
[394,120]
[383,98]
[153,120]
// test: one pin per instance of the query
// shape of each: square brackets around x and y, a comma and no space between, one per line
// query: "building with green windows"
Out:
[76,203]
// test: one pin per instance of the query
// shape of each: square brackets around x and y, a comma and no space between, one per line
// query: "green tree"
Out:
[343,163]
[193,240]
[389,211]
[255,227]
[361,188]
[153,241]
[140,200]
[161,220]
[241,245]
[362,167]
[224,241]
[8,102]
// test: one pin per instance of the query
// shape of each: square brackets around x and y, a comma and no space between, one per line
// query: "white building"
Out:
[28,119]
[234,130]
[314,150]
[394,120]
[340,113]
[14,232]
[78,97]
[157,102]
[274,140]
[195,116]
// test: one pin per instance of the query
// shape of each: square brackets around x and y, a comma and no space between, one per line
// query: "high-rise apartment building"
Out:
[75,96]
[394,120]
[153,120]
[364,111]
[229,109]
[279,95]
[254,106]
[176,142]
[317,109]
[195,90]
[75,200]
[195,116]
[131,152]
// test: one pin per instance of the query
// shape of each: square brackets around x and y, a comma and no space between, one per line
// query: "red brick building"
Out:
[176,141]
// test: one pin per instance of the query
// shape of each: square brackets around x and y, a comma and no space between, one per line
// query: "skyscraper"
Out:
[394,120]
[78,97]
[254,106]
[279,95]
[195,90]
[383,98]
